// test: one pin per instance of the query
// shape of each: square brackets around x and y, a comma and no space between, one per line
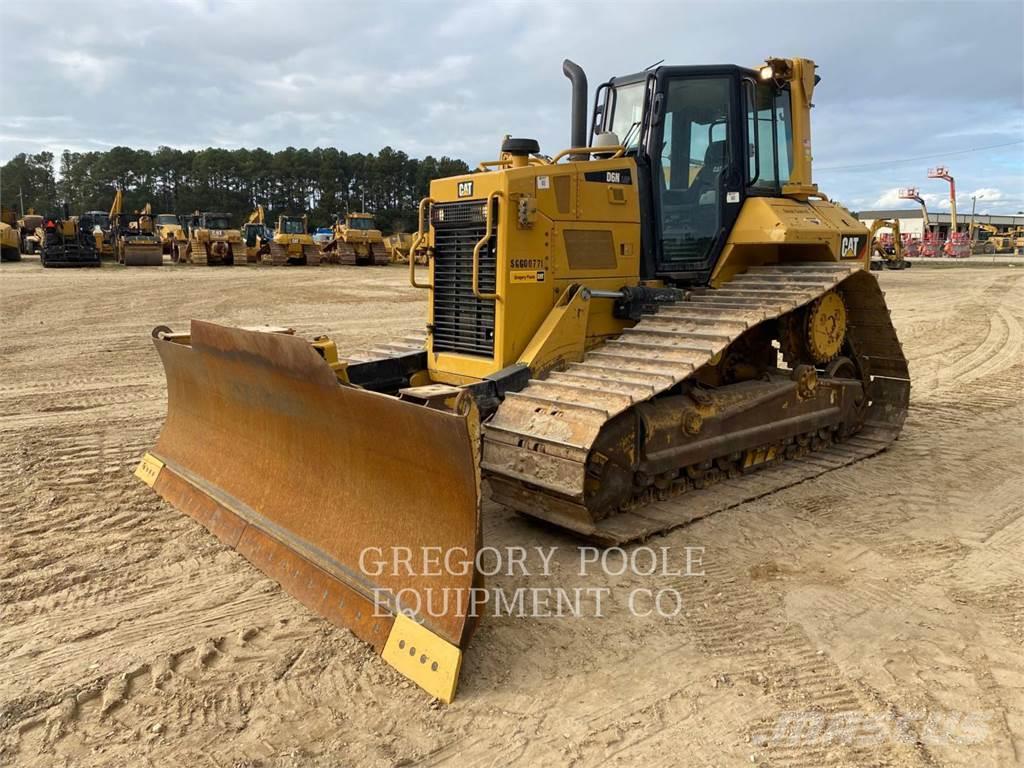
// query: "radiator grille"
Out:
[462,323]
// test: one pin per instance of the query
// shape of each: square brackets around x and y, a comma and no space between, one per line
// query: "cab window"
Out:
[769,136]
[627,113]
[693,154]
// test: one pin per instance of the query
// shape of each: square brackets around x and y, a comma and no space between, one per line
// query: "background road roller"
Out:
[662,321]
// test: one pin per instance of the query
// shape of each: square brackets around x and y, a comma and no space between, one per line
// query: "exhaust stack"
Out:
[578,125]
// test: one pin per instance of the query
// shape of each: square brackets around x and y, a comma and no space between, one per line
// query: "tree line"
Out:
[323,182]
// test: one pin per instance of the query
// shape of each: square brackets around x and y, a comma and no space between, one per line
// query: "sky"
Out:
[905,85]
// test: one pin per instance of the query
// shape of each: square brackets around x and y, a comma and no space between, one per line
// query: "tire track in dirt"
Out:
[877,589]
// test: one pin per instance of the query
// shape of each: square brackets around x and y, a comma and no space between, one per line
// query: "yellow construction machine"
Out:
[101,230]
[10,236]
[399,247]
[882,257]
[356,241]
[256,235]
[993,241]
[30,231]
[211,240]
[171,234]
[133,236]
[611,332]
[292,243]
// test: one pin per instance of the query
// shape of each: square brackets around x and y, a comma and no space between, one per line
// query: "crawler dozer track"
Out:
[346,253]
[279,256]
[539,448]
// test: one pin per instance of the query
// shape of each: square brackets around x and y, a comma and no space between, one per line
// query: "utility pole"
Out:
[21,202]
[974,203]
[943,173]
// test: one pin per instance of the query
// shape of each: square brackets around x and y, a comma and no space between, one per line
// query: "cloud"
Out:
[452,78]
[84,70]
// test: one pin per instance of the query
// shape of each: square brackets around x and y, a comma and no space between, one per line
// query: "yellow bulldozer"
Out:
[356,241]
[659,322]
[212,240]
[291,243]
[399,247]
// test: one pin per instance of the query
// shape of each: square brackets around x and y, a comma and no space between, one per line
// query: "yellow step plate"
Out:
[428,660]
[149,469]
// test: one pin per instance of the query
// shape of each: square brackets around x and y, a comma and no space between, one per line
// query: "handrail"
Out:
[618,150]
[415,244]
[480,244]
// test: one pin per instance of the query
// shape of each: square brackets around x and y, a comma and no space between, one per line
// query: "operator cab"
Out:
[216,221]
[704,138]
[292,225]
[362,222]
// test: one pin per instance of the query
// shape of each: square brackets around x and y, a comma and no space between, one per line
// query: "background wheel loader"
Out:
[356,241]
[170,232]
[668,310]
[211,240]
[291,243]
[30,230]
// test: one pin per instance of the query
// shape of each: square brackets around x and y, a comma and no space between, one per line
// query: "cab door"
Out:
[696,167]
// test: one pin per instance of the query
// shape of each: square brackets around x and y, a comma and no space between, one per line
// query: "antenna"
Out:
[649,67]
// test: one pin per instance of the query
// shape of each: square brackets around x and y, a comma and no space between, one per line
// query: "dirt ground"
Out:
[872,616]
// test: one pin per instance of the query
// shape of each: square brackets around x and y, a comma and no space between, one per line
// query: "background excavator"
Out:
[356,241]
[880,256]
[668,310]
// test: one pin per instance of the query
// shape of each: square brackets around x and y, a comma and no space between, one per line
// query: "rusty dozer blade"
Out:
[362,506]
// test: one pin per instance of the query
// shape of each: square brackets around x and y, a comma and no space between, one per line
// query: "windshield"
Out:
[627,112]
[99,219]
[166,218]
[293,227]
[218,221]
[361,224]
